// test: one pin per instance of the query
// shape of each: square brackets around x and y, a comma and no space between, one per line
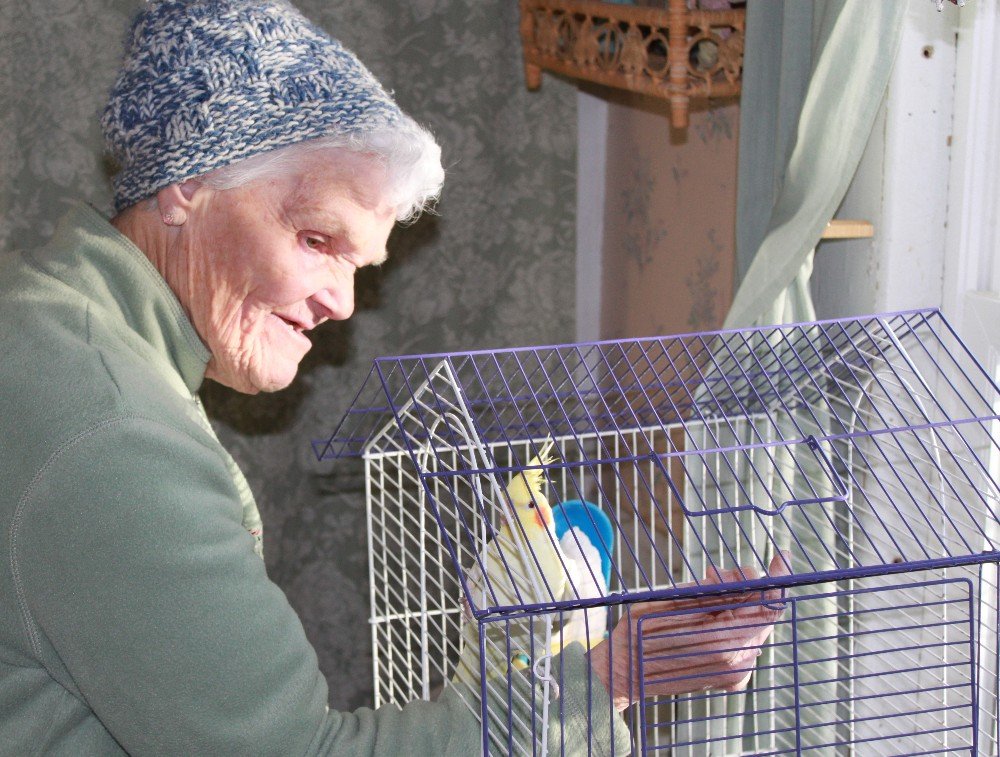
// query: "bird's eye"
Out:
[532,504]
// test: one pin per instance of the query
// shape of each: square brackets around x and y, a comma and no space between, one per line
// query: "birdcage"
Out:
[862,452]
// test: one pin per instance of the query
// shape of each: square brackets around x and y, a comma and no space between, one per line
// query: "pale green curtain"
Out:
[776,67]
[853,46]
[814,79]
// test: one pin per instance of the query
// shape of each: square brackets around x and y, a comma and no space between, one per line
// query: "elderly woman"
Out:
[261,165]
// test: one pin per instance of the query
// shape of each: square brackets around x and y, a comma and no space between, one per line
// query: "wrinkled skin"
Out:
[690,651]
[257,266]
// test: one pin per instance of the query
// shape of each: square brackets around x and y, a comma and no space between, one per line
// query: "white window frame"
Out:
[971,294]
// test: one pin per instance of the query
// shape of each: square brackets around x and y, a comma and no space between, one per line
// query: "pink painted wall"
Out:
[670,217]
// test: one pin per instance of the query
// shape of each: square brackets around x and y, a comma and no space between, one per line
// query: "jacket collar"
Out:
[93,258]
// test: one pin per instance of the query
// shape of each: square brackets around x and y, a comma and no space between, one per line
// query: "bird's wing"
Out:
[583,567]
[507,580]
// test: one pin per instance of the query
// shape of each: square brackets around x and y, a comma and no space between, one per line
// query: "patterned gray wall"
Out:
[494,267]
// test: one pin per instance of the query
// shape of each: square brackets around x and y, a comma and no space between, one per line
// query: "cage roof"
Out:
[913,359]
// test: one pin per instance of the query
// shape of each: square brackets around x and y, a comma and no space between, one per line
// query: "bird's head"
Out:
[525,491]
[536,513]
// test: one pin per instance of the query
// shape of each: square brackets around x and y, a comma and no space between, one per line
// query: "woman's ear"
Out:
[174,201]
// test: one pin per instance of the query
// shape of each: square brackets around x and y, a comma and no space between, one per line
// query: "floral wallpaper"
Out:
[493,267]
[670,217]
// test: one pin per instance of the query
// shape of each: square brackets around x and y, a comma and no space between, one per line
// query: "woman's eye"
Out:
[314,243]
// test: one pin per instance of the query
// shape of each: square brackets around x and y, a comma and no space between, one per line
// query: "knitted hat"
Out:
[205,83]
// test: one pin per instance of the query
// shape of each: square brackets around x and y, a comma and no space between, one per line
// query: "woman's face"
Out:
[273,259]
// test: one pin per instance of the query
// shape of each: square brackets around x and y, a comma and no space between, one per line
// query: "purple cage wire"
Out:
[864,449]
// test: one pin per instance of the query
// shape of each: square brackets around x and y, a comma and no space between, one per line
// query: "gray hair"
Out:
[410,155]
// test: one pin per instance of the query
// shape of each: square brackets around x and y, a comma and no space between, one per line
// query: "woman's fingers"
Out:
[779,566]
[711,642]
[709,658]
[729,673]
[739,685]
[693,644]
[717,653]
[709,661]
[699,627]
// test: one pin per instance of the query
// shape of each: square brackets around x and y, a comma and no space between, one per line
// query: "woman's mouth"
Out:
[295,325]
[295,328]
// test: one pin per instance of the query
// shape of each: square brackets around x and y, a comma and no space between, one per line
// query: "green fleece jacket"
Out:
[135,614]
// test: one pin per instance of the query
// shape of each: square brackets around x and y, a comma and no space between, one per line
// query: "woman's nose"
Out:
[336,304]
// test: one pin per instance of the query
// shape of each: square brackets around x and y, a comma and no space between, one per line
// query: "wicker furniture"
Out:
[672,53]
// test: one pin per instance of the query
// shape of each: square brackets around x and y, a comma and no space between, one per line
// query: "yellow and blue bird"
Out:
[523,563]
[528,563]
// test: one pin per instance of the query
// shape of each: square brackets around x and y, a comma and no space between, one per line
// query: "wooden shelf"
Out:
[847,229]
[671,53]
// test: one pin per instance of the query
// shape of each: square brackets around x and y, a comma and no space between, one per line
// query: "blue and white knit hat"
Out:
[205,83]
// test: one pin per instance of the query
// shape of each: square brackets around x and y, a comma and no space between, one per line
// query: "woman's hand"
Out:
[692,650]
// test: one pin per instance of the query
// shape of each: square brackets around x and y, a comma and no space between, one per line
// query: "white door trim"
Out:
[973,241]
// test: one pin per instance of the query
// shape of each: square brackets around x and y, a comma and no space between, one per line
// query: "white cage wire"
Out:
[863,449]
